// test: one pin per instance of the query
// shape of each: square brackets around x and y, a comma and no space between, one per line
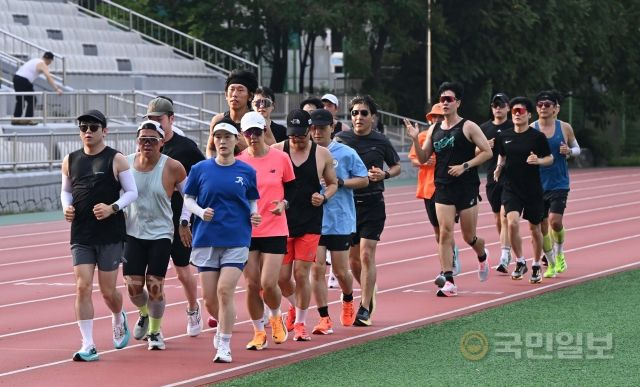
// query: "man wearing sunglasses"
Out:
[185,151]
[92,178]
[264,101]
[374,149]
[456,177]
[150,230]
[522,152]
[491,129]
[555,178]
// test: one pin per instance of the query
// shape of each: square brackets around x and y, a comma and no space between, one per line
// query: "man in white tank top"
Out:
[23,82]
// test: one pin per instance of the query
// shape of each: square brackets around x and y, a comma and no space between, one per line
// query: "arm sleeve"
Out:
[254,206]
[185,214]
[575,148]
[191,205]
[66,198]
[128,183]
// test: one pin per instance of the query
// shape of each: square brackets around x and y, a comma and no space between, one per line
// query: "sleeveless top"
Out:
[28,70]
[302,216]
[453,148]
[92,182]
[556,175]
[150,216]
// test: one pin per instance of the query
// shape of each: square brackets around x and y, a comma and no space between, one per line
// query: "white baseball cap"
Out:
[331,98]
[252,120]
[226,127]
[153,125]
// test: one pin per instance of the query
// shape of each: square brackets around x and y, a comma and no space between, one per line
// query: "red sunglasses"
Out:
[518,110]
[447,98]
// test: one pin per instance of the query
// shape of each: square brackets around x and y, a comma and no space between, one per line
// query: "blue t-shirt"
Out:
[227,190]
[339,216]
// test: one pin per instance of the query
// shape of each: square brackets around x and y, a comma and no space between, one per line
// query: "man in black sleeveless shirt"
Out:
[92,178]
[456,177]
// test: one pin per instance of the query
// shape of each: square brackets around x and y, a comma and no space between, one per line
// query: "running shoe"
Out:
[212,322]
[503,267]
[156,342]
[291,318]
[483,267]
[544,260]
[89,355]
[141,328]
[328,258]
[363,317]
[216,340]
[561,263]
[300,332]
[440,280]
[550,272]
[332,282]
[278,332]
[259,341]
[121,333]
[348,315]
[521,268]
[324,327]
[194,321]
[448,290]
[456,263]
[223,355]
[536,276]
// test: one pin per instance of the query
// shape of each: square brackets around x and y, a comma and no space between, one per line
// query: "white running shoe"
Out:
[156,341]
[448,290]
[223,356]
[332,281]
[121,333]
[216,340]
[483,268]
[194,321]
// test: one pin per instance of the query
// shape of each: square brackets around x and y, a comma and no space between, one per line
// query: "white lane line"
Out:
[30,246]
[34,234]
[34,260]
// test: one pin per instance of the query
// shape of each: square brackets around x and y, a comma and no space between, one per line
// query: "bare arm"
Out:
[329,176]
[571,147]
[356,182]
[269,139]
[473,132]
[44,69]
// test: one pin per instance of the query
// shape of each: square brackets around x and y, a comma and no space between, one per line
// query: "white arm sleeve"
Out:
[128,183]
[254,206]
[191,205]
[574,147]
[65,192]
[185,214]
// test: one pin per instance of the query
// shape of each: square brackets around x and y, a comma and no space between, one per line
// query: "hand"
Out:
[317,199]
[431,161]
[456,170]
[532,159]
[208,214]
[58,91]
[69,213]
[492,142]
[256,219]
[376,174]
[185,235]
[279,207]
[102,211]
[412,131]
[564,149]
[496,173]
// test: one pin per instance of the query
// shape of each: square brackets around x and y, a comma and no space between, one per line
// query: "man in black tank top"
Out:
[311,164]
[92,178]
[456,177]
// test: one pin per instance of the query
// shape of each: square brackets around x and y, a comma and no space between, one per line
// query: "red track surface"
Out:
[38,332]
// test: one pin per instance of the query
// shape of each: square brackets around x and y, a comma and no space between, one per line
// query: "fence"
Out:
[21,50]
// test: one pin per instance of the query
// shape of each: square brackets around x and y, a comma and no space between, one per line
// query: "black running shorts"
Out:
[146,257]
[555,201]
[269,245]
[430,206]
[370,218]
[460,195]
[530,209]
[335,242]
[494,196]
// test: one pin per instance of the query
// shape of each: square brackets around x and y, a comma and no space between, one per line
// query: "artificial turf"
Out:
[432,355]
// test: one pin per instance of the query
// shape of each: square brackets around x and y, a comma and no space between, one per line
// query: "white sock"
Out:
[86,330]
[551,257]
[258,325]
[225,340]
[117,318]
[301,315]
[274,312]
[292,300]
[505,253]
[522,260]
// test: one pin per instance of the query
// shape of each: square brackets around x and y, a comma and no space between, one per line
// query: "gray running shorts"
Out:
[217,257]
[107,257]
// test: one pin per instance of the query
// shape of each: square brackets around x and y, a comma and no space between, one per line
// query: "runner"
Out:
[264,102]
[226,188]
[456,176]
[150,230]
[522,151]
[269,240]
[311,163]
[338,223]
[92,178]
[310,104]
[331,103]
[374,149]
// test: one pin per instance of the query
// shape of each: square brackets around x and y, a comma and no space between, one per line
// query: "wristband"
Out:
[325,199]
[340,182]
[387,175]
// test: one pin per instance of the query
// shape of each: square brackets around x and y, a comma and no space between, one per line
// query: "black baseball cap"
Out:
[298,122]
[321,117]
[93,115]
[500,98]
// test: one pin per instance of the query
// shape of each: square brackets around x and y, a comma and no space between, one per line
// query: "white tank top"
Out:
[28,70]
[149,216]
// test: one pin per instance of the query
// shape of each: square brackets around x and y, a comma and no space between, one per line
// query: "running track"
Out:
[38,333]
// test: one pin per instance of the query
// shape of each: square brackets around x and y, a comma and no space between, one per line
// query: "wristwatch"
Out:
[465,166]
[340,182]
[325,199]
[387,175]
[115,207]
[184,223]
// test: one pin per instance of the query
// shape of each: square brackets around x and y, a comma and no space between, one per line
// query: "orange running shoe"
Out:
[278,331]
[291,318]
[300,332]
[324,327]
[348,315]
[259,341]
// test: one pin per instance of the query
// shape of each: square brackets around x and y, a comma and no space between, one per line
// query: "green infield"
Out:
[581,335]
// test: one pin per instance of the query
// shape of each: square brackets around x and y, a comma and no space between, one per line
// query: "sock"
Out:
[154,324]
[86,330]
[258,325]
[546,242]
[225,340]
[274,312]
[522,260]
[551,257]
[505,253]
[301,315]
[558,240]
[144,310]
[482,258]
[347,297]
[535,264]
[324,311]
[448,275]
[292,300]
[117,319]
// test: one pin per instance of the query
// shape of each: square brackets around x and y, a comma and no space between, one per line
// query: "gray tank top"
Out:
[150,216]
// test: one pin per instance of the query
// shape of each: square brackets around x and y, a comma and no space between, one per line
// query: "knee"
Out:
[253,286]
[225,295]
[109,295]
[301,276]
[184,274]
[84,289]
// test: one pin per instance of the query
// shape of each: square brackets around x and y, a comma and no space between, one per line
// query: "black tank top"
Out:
[92,182]
[453,148]
[302,216]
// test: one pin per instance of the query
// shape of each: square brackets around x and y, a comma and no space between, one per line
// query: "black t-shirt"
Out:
[490,131]
[518,176]
[279,131]
[374,149]
[453,148]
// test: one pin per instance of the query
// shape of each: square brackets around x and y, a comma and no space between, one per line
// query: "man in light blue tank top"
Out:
[150,230]
[555,178]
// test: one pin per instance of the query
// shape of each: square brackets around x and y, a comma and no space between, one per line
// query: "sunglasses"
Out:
[546,104]
[518,110]
[447,98]
[263,103]
[253,132]
[363,113]
[91,127]
[497,105]
[299,135]
[148,140]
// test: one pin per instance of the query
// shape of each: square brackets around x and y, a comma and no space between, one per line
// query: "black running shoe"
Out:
[536,275]
[363,319]
[544,260]
[521,268]
[502,269]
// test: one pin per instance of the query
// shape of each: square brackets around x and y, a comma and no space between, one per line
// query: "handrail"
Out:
[216,57]
[6,34]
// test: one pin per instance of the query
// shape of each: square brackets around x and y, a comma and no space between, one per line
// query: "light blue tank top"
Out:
[150,216]
[556,175]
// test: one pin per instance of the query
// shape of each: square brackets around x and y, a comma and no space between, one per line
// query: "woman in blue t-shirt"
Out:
[223,193]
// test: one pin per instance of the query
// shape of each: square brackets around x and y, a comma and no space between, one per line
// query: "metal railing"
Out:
[15,46]
[219,59]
